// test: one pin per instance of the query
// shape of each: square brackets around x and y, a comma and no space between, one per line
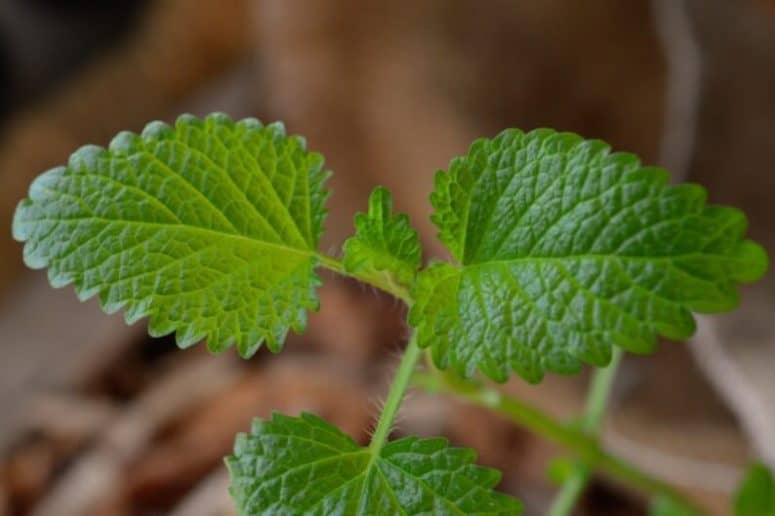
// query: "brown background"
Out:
[99,419]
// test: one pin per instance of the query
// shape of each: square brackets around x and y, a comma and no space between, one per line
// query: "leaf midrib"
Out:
[371,467]
[564,259]
[450,504]
[309,253]
[594,256]
[260,170]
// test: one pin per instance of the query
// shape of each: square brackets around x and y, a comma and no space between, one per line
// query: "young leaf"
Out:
[756,494]
[565,249]
[303,465]
[383,243]
[663,506]
[209,227]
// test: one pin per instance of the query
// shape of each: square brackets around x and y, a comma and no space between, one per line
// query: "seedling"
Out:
[562,254]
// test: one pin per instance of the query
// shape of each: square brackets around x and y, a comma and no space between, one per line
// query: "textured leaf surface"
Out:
[756,494]
[209,227]
[303,465]
[383,243]
[564,249]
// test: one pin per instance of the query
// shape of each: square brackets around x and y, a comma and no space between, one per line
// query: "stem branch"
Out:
[582,441]
[586,447]
[597,399]
[382,282]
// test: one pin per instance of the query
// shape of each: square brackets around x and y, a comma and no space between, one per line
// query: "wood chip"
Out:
[98,474]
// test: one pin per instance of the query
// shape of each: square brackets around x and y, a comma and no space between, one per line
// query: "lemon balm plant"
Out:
[563,254]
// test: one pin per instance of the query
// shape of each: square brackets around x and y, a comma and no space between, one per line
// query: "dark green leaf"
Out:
[303,465]
[566,249]
[756,494]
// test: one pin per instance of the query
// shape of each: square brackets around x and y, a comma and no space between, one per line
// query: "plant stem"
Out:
[329,262]
[599,391]
[381,282]
[584,442]
[395,395]
[586,447]
[572,487]
[597,399]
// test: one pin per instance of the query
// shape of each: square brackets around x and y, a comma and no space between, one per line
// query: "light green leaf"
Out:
[664,506]
[560,469]
[209,227]
[384,244]
[565,249]
[303,465]
[756,494]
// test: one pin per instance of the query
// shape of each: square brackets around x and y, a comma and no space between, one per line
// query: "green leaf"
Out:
[664,506]
[561,469]
[209,227]
[384,244]
[756,494]
[565,249]
[303,465]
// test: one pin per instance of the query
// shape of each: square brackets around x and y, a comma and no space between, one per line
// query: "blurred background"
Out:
[97,418]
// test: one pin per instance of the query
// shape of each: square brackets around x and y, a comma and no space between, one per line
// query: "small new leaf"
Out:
[303,465]
[209,227]
[384,244]
[664,506]
[756,494]
[564,249]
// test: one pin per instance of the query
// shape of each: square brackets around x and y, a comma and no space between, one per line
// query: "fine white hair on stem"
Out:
[335,251]
[394,354]
[400,415]
[378,405]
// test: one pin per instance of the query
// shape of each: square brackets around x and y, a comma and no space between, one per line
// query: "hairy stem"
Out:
[381,282]
[396,393]
[586,447]
[582,441]
[409,359]
[597,399]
